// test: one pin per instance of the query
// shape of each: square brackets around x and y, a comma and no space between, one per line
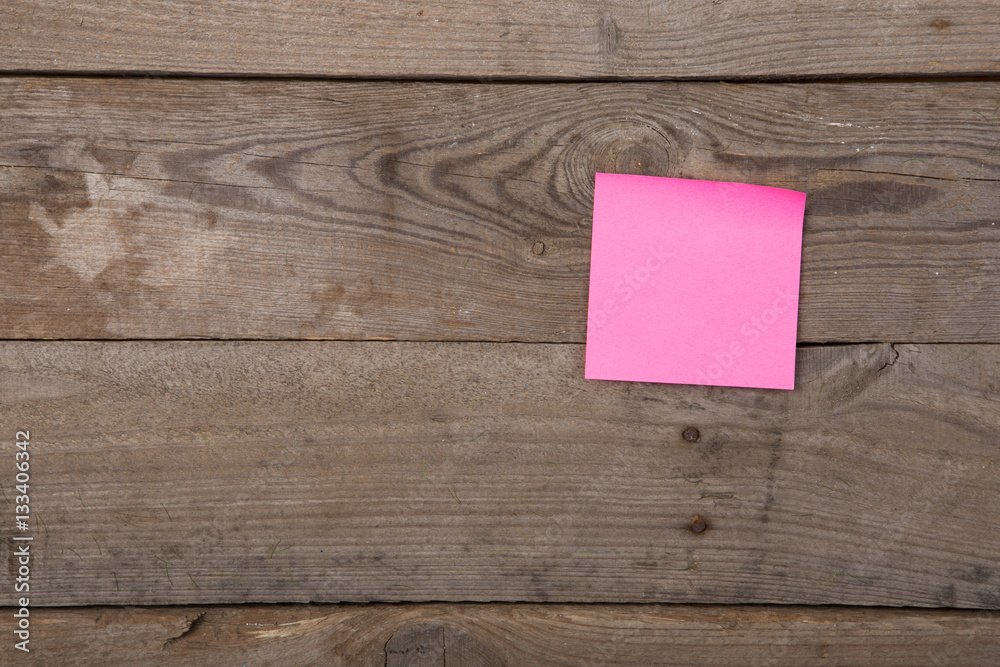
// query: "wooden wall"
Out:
[293,302]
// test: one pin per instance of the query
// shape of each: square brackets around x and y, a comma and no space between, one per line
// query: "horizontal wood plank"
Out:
[247,209]
[211,472]
[510,634]
[508,38]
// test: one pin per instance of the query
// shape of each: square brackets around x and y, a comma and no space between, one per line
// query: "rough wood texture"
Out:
[241,209]
[502,634]
[209,472]
[509,38]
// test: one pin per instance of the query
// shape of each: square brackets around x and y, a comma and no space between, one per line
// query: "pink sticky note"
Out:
[694,282]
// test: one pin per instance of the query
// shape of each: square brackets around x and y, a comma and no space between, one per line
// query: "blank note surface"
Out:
[694,282]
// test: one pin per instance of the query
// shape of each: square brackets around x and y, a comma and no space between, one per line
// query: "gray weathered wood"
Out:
[248,209]
[209,472]
[508,38]
[510,634]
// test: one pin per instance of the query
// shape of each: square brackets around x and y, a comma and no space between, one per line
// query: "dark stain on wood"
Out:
[211,219]
[610,35]
[976,575]
[36,205]
[115,160]
[435,643]
[416,645]
[864,197]
[57,192]
[330,299]
[989,598]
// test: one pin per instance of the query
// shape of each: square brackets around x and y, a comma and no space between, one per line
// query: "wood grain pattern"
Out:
[210,472]
[247,209]
[509,38]
[506,634]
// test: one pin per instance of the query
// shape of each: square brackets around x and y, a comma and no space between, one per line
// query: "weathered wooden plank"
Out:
[239,209]
[511,634]
[510,38]
[208,472]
